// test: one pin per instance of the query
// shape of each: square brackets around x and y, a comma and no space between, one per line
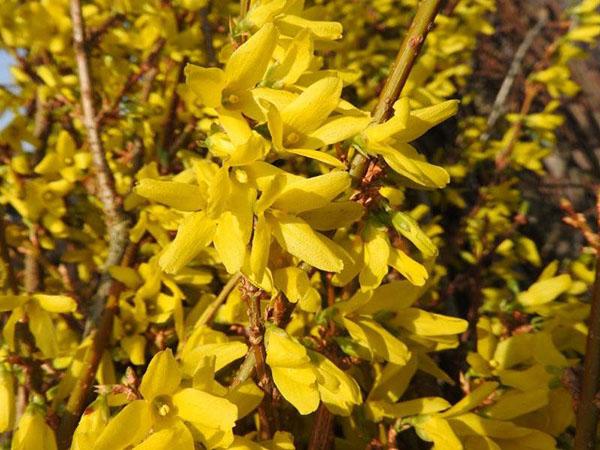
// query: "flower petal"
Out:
[206,409]
[182,196]
[127,428]
[162,376]
[300,240]
[248,64]
[56,303]
[311,108]
[194,234]
[206,83]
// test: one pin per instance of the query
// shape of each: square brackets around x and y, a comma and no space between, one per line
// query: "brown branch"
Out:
[256,330]
[116,222]
[11,278]
[322,436]
[95,34]
[587,411]
[164,152]
[207,32]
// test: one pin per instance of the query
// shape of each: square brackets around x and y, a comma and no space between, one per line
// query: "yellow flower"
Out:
[229,90]
[7,399]
[391,141]
[302,124]
[38,308]
[33,432]
[169,415]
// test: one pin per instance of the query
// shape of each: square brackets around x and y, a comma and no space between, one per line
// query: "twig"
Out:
[207,32]
[322,438]
[170,119]
[212,309]
[256,330]
[116,222]
[587,411]
[11,278]
[513,71]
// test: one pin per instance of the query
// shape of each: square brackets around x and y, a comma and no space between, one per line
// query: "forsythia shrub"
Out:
[208,240]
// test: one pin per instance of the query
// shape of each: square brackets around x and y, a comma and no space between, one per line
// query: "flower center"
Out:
[292,138]
[68,161]
[163,406]
[48,196]
[232,99]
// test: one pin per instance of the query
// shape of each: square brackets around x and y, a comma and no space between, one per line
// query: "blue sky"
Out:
[5,78]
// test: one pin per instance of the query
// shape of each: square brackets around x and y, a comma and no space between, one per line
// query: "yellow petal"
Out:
[376,255]
[473,399]
[296,60]
[33,433]
[340,398]
[182,196]
[201,407]
[310,109]
[42,328]
[10,302]
[56,303]
[177,436]
[411,269]
[7,400]
[206,83]
[298,386]
[299,239]
[337,129]
[193,235]
[127,428]
[246,396]
[290,25]
[405,161]
[419,406]
[304,194]
[261,243]
[248,63]
[397,123]
[425,323]
[438,431]
[545,291]
[282,350]
[378,340]
[515,403]
[135,347]
[333,216]
[421,120]
[409,228]
[317,155]
[162,376]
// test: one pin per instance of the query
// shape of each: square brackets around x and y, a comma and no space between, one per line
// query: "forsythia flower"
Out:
[156,420]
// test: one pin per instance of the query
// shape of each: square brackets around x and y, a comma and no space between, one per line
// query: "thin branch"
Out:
[256,330]
[207,32]
[212,309]
[587,411]
[11,278]
[515,68]
[171,117]
[116,222]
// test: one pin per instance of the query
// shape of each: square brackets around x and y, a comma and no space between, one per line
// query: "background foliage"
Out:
[222,228]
